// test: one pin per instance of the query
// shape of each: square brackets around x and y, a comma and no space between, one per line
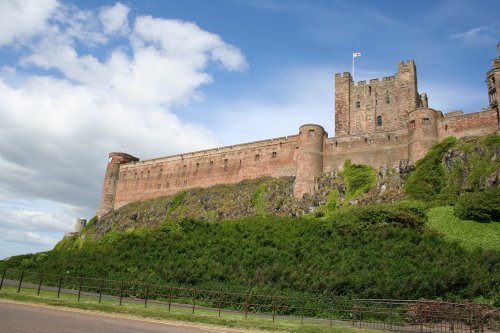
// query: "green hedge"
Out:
[482,206]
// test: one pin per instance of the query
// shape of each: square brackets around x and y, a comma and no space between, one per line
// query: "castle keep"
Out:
[380,123]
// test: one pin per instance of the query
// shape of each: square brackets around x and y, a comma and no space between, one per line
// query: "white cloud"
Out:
[115,19]
[23,18]
[28,238]
[485,34]
[57,127]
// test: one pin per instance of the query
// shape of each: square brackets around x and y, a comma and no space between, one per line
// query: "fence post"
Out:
[121,293]
[59,287]
[146,296]
[80,288]
[273,308]
[390,315]
[20,282]
[170,298]
[302,310]
[3,277]
[220,302]
[100,289]
[246,307]
[194,299]
[40,284]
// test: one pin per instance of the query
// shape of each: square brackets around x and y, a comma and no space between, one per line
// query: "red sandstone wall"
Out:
[382,148]
[478,123]
[169,175]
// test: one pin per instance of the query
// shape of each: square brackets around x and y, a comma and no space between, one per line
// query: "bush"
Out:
[426,182]
[359,178]
[482,206]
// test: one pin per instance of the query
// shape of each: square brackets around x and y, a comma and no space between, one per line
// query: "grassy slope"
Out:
[469,234]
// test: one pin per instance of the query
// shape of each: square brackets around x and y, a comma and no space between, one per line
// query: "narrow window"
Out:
[388,138]
[387,99]
[225,163]
[159,186]
[446,127]
[358,104]
[184,183]
[412,124]
[426,121]
[336,143]
[168,185]
[184,169]
[379,121]
[312,134]
[257,157]
[273,155]
[366,140]
[211,165]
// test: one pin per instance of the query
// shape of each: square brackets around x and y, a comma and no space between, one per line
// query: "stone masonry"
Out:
[381,123]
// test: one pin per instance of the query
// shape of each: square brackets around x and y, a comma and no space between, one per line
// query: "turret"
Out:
[309,158]
[111,177]
[493,82]
[423,132]
[342,103]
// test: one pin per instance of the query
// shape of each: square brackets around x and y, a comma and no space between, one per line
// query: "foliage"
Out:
[482,206]
[359,178]
[371,252]
[470,234]
[429,176]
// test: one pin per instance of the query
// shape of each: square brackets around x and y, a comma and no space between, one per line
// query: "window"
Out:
[336,144]
[412,124]
[225,163]
[184,169]
[197,166]
[210,165]
[445,127]
[312,133]
[184,183]
[379,121]
[257,157]
[168,185]
[159,186]
[387,99]
[273,155]
[426,121]
[358,104]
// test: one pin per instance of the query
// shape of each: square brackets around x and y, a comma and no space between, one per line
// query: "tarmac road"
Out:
[30,318]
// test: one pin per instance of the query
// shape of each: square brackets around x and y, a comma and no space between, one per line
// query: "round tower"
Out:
[309,162]
[423,132]
[107,201]
[80,224]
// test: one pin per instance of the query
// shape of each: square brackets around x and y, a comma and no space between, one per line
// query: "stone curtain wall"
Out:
[169,175]
[460,125]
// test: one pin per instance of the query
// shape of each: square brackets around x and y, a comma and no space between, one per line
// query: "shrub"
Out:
[482,206]
[359,178]
[429,176]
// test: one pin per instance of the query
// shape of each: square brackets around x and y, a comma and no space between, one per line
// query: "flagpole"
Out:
[353,67]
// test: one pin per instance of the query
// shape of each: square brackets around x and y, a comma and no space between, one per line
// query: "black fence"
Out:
[393,315]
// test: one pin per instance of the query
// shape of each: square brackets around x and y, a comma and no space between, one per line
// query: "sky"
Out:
[80,79]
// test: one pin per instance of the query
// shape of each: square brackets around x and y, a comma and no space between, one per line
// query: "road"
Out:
[28,318]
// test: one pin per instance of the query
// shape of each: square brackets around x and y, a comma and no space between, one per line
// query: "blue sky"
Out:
[79,79]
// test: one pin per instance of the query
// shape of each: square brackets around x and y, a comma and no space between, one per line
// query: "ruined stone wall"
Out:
[169,175]
[459,125]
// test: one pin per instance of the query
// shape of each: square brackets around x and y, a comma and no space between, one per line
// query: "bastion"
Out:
[383,123]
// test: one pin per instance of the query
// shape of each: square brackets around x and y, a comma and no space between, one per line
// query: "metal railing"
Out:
[392,315]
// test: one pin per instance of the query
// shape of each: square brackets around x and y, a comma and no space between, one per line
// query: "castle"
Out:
[381,123]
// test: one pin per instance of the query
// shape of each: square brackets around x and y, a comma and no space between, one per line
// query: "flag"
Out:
[356,54]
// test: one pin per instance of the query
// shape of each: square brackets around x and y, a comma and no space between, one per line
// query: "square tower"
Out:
[379,106]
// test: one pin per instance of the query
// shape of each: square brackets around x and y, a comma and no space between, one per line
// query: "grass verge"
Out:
[469,234]
[161,312]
